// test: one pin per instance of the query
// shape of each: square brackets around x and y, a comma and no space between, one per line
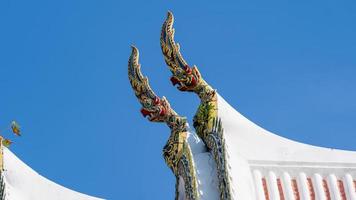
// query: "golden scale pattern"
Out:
[176,152]
[206,122]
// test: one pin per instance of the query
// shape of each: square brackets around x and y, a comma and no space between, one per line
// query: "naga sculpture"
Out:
[176,152]
[233,158]
[189,79]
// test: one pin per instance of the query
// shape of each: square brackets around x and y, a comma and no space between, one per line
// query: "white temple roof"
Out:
[205,169]
[23,183]
[266,166]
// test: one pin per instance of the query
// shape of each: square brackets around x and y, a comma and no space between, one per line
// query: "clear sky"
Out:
[289,66]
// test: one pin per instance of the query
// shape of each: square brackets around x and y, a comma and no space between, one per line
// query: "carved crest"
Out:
[183,75]
[154,108]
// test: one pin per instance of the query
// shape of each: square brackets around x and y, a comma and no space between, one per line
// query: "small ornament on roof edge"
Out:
[6,142]
[15,128]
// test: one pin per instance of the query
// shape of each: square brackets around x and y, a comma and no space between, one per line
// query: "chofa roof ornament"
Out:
[233,158]
[159,110]
[176,152]
[184,76]
[189,79]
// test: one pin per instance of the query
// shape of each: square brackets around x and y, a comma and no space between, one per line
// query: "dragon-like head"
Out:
[154,108]
[187,78]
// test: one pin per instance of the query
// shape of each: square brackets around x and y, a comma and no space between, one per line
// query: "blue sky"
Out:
[289,66]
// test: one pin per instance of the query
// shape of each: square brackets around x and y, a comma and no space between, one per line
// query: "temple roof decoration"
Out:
[155,108]
[189,79]
[176,152]
[15,127]
[245,161]
[186,77]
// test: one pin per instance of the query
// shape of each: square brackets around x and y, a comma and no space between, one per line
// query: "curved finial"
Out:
[187,78]
[138,82]
[154,108]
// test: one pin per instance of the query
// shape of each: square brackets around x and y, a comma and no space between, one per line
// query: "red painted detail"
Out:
[193,82]
[145,112]
[162,112]
[174,80]
[157,100]
[265,189]
[295,189]
[340,185]
[311,189]
[197,74]
[280,189]
[188,69]
[326,190]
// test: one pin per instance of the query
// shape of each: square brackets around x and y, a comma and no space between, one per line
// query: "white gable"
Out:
[23,183]
[266,166]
